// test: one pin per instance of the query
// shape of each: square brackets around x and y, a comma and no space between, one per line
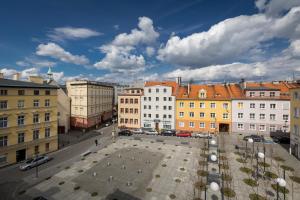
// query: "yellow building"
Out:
[203,108]
[28,119]
[295,121]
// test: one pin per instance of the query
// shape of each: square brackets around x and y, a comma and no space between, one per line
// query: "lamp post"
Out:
[213,158]
[280,182]
[259,155]
[250,140]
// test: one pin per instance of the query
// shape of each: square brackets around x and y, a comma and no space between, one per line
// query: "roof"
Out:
[85,82]
[24,84]
[172,84]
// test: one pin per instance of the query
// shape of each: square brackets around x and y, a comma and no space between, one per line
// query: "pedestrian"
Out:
[96,142]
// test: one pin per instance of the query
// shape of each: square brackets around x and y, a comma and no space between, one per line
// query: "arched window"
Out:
[202,94]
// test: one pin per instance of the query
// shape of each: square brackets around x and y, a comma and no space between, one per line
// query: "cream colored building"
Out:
[295,121]
[91,103]
[28,119]
[129,108]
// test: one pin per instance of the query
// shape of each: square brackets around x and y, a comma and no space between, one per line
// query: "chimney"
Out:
[1,75]
[189,87]
[178,80]
[243,84]
[36,79]
[16,76]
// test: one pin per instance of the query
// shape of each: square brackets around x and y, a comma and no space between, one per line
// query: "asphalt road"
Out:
[12,180]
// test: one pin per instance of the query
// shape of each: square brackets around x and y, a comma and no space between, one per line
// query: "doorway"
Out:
[224,127]
[157,126]
[20,155]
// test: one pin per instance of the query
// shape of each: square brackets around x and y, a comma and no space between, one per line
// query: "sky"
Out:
[129,40]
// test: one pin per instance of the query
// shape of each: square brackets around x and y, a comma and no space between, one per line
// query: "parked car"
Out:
[282,140]
[150,132]
[256,138]
[137,131]
[184,134]
[125,132]
[202,135]
[33,162]
[168,133]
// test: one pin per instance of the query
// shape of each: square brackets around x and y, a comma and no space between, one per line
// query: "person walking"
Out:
[96,142]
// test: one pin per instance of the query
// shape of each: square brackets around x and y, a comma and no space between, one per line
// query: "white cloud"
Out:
[62,33]
[8,73]
[31,61]
[230,39]
[55,51]
[150,51]
[276,7]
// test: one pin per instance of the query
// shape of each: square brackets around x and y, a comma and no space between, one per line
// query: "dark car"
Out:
[184,134]
[256,138]
[168,133]
[125,133]
[282,140]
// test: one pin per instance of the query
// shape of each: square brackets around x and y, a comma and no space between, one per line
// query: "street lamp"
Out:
[213,142]
[213,157]
[280,182]
[259,155]
[250,140]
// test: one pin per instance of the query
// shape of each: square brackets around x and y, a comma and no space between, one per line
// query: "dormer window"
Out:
[261,94]
[202,94]
[272,94]
[252,94]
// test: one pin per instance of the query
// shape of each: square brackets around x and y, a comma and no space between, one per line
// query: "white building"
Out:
[158,105]
[261,108]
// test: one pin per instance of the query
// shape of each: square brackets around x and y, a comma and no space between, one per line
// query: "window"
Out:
[225,105]
[145,115]
[240,126]
[35,118]
[262,106]
[261,94]
[156,107]
[21,120]
[149,115]
[252,127]
[285,117]
[165,107]
[165,90]
[225,115]
[126,100]
[47,102]
[149,98]
[181,114]
[192,124]
[170,107]
[240,115]
[252,115]
[131,121]
[145,107]
[191,114]
[165,98]
[136,111]
[47,147]
[181,104]
[157,116]
[212,125]
[136,121]
[21,138]
[36,103]
[21,92]
[3,122]
[157,90]
[170,98]
[192,105]
[202,94]
[202,125]
[145,98]
[296,95]
[272,105]
[149,107]
[213,105]
[3,158]
[3,92]
[212,115]
[170,116]
[3,141]
[47,92]
[131,101]
[202,114]
[181,124]
[272,128]
[262,116]
[36,134]
[122,110]
[240,105]
[272,94]
[149,90]
[252,94]
[252,105]
[21,103]
[122,100]
[262,127]
[47,117]
[202,105]
[157,98]
[272,116]
[164,116]
[3,104]
[126,110]
[131,110]
[36,92]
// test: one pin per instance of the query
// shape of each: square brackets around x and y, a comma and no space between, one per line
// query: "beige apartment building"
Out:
[28,119]
[295,121]
[129,108]
[91,103]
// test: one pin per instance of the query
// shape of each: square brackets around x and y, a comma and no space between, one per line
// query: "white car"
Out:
[201,135]
[150,132]
[33,162]
[137,131]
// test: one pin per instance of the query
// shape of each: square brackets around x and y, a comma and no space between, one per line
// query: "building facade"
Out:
[295,121]
[203,108]
[91,103]
[28,119]
[129,108]
[158,105]
[261,108]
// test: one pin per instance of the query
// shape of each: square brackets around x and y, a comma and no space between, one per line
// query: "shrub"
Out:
[149,189]
[177,180]
[224,166]
[264,164]
[61,183]
[250,182]
[80,170]
[238,153]
[279,159]
[67,167]
[280,189]
[172,196]
[157,176]
[182,169]
[49,177]
[93,194]
[204,155]
[202,162]
[256,197]
[76,187]
[21,192]
[270,175]
[223,158]
[226,177]
[228,192]
[295,179]
[246,170]
[287,168]
[163,165]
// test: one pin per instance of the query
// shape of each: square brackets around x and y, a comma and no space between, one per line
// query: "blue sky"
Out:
[203,40]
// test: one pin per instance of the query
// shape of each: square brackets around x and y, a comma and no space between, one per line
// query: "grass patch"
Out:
[278,158]
[246,170]
[223,158]
[157,176]
[222,151]
[185,160]
[82,158]
[256,197]
[163,165]
[200,185]
[177,180]
[169,157]
[80,171]
[250,182]
[272,175]
[240,160]
[238,153]
[172,196]
[182,169]
[280,189]
[204,155]
[287,168]
[149,189]
[49,177]
[61,183]
[67,167]
[264,164]
[228,192]
[226,177]
[95,161]
[202,173]
[93,194]
[76,187]
[224,166]
[295,179]
[202,162]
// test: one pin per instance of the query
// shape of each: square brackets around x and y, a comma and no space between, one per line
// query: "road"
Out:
[13,180]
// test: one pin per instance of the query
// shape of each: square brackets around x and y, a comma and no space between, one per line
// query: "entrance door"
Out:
[156,126]
[20,155]
[224,127]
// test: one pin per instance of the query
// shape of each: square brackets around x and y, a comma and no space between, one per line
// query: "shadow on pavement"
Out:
[119,195]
